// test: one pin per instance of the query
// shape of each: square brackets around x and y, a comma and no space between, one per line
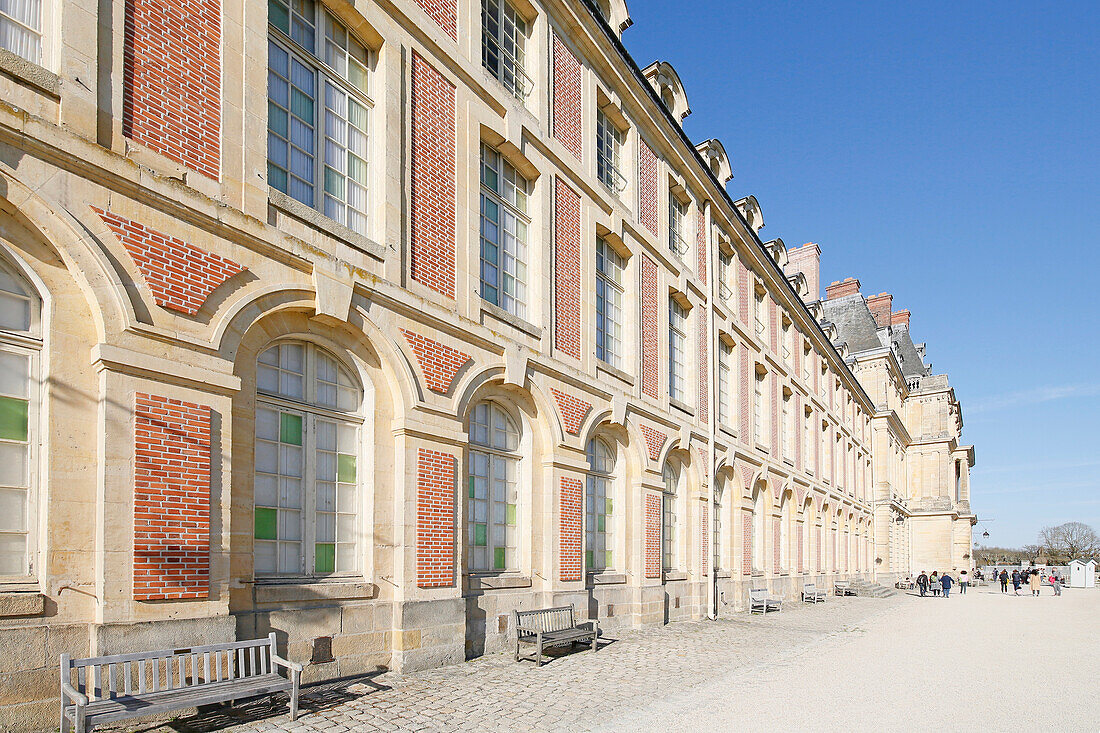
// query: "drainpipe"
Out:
[712,413]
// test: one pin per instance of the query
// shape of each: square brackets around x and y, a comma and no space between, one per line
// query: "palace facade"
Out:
[369,322]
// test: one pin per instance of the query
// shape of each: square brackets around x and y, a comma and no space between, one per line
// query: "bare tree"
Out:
[1069,541]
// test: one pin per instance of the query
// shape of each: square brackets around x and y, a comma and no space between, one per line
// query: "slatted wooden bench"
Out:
[760,602]
[810,593]
[549,627]
[105,689]
[844,588]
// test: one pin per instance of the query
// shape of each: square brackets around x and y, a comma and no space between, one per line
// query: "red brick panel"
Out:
[702,368]
[567,98]
[171,499]
[652,535]
[439,363]
[180,275]
[651,359]
[444,13]
[744,297]
[775,447]
[799,425]
[572,411]
[773,325]
[648,208]
[571,528]
[747,396]
[432,221]
[435,519]
[817,550]
[777,543]
[704,535]
[701,244]
[171,80]
[746,543]
[567,269]
[654,441]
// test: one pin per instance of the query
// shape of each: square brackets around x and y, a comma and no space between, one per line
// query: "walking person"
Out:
[946,581]
[964,582]
[1004,581]
[1016,581]
[1034,582]
[1056,583]
[922,583]
[934,581]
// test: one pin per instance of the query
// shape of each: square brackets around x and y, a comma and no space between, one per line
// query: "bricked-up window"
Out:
[677,218]
[21,28]
[726,391]
[609,150]
[806,363]
[669,549]
[761,316]
[787,425]
[725,275]
[503,37]
[504,225]
[491,534]
[307,446]
[786,341]
[318,112]
[20,345]
[806,436]
[759,521]
[677,337]
[759,409]
[609,304]
[598,507]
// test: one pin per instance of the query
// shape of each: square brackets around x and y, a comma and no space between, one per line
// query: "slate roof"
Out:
[856,326]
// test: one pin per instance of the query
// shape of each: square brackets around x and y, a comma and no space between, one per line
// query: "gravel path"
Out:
[960,663]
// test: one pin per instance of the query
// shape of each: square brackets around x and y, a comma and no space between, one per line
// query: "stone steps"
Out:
[872,590]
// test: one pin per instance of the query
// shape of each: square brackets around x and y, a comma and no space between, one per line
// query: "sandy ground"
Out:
[983,661]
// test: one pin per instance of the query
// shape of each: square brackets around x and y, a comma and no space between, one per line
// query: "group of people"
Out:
[1034,579]
[941,584]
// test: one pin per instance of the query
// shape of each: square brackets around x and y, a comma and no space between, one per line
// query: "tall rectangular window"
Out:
[677,216]
[21,28]
[760,316]
[671,475]
[785,345]
[609,148]
[504,220]
[725,384]
[725,275]
[318,112]
[503,35]
[759,411]
[677,336]
[609,304]
[806,435]
[787,425]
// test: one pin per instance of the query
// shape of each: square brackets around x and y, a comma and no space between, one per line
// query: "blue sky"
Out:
[947,153]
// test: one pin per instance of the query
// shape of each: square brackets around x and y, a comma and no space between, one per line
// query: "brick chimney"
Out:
[900,318]
[806,260]
[838,288]
[880,308]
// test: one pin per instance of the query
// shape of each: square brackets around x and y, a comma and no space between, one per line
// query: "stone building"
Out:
[921,493]
[367,323]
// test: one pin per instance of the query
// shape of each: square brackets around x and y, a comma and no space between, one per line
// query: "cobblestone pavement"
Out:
[576,691]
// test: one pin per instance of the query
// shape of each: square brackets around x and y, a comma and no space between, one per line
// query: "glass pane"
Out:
[290,431]
[14,370]
[499,562]
[13,510]
[266,522]
[346,471]
[13,464]
[15,313]
[13,419]
[510,514]
[480,535]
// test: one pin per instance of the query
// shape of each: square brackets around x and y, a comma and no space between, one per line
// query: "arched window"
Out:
[719,539]
[807,528]
[20,345]
[758,523]
[669,554]
[598,506]
[306,489]
[491,512]
[785,533]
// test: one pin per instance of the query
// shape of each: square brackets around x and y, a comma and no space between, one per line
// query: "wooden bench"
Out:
[759,601]
[549,627]
[844,588]
[105,689]
[810,593]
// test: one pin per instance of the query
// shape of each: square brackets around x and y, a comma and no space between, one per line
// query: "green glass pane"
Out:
[601,523]
[334,183]
[325,561]
[498,558]
[278,17]
[480,535]
[276,177]
[607,559]
[13,419]
[345,468]
[266,522]
[471,487]
[607,506]
[588,561]
[290,428]
[301,106]
[510,514]
[277,120]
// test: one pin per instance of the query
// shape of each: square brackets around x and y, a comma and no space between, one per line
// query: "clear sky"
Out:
[947,153]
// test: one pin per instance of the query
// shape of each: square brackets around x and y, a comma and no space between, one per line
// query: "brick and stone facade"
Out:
[193,321]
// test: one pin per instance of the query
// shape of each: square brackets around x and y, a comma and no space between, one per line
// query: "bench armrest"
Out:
[286,663]
[70,692]
[592,624]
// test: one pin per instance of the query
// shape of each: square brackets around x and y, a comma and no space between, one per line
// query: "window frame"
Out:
[726,391]
[670,551]
[605,478]
[323,75]
[506,197]
[507,15]
[677,224]
[677,349]
[610,345]
[610,141]
[512,458]
[40,34]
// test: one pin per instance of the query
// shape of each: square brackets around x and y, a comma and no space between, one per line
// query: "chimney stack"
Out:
[880,308]
[838,289]
[900,318]
[806,260]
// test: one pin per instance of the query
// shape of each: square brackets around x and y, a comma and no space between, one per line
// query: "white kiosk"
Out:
[1082,574]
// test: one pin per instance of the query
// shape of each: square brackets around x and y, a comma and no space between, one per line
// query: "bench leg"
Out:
[538,655]
[79,722]
[294,697]
[517,648]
